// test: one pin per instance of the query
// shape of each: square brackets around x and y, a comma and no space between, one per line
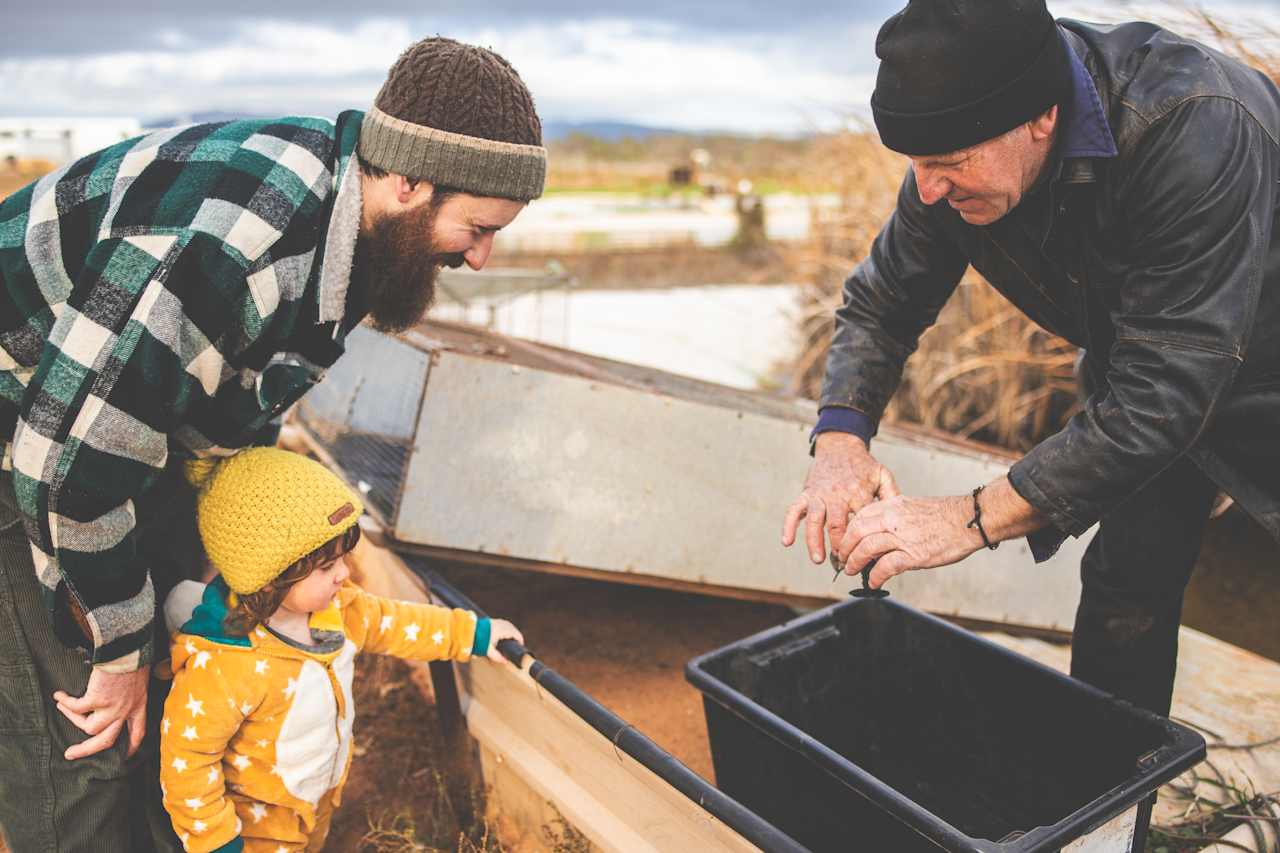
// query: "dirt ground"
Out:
[625,646]
[400,795]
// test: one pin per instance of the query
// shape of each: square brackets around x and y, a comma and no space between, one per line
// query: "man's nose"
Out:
[931,186]
[478,254]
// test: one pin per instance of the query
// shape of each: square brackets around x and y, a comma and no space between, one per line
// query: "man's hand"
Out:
[110,702]
[922,533]
[909,533]
[843,479]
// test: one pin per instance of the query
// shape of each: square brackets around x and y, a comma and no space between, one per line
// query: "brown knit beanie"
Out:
[460,116]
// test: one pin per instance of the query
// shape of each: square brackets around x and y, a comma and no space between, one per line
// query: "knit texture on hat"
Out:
[954,73]
[459,116]
[473,165]
[263,509]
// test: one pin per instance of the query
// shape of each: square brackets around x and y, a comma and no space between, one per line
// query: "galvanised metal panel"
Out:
[365,413]
[374,388]
[546,467]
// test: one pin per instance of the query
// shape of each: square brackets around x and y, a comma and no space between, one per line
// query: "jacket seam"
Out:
[1156,339]
[1152,120]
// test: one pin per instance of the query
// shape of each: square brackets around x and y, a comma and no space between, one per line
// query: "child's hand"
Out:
[501,629]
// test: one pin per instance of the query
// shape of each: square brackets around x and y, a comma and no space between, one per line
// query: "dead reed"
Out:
[983,371]
[16,173]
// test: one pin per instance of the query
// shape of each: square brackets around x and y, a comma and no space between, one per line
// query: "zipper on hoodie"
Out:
[339,701]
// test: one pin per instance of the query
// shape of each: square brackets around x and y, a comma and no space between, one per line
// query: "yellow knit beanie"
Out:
[263,509]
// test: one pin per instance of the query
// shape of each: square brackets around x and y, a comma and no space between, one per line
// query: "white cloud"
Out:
[659,76]
[788,79]
[619,69]
[268,64]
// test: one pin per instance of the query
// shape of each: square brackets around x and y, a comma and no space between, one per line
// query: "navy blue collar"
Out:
[1085,132]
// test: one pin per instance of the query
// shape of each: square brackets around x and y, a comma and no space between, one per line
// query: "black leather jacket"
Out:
[1161,262]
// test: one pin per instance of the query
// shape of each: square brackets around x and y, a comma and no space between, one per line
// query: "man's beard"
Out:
[396,262]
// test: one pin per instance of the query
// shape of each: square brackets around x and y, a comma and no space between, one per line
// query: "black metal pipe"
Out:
[624,736]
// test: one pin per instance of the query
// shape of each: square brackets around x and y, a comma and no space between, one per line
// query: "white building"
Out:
[62,139]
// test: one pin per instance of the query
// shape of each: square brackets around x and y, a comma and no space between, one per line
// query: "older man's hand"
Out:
[902,533]
[843,478]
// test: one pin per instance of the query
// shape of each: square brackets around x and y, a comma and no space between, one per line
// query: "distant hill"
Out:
[607,131]
[552,131]
[206,117]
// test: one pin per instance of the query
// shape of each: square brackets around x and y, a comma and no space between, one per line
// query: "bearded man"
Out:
[1119,185]
[169,297]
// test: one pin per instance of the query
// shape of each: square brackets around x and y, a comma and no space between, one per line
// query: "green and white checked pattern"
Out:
[170,295]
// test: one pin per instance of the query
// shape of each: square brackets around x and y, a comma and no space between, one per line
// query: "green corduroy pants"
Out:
[102,803]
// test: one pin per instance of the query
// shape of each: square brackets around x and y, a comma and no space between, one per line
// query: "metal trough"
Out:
[474,446]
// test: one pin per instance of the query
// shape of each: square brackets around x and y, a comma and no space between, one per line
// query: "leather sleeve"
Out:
[1197,203]
[891,297]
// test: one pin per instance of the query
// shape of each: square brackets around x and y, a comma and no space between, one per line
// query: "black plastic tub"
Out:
[869,725]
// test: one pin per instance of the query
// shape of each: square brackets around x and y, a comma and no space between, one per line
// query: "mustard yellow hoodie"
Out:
[255,742]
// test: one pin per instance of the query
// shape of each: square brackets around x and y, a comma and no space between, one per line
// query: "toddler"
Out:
[256,736]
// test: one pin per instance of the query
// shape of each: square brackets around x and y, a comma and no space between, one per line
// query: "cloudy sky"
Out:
[739,65]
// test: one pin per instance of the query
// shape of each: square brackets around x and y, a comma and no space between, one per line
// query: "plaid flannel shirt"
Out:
[172,294]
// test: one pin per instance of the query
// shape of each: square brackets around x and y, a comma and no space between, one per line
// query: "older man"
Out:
[171,296]
[1119,185]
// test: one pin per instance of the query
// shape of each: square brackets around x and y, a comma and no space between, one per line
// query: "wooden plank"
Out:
[619,804]
[536,748]
[1242,838]
[1231,695]
[521,817]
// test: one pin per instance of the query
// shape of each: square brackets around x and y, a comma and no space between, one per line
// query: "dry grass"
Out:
[643,165]
[435,829]
[17,173]
[1214,806]
[984,370]
[432,806]
[400,833]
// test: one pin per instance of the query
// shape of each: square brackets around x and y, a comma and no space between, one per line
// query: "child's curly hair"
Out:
[256,607]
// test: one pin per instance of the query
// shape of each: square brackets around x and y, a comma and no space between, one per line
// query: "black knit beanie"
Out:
[954,73]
